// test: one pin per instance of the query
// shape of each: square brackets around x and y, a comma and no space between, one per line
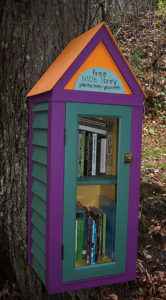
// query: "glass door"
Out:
[96,190]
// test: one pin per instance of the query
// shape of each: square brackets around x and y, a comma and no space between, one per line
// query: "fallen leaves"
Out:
[5,293]
[154,284]
[5,290]
[158,229]
[106,294]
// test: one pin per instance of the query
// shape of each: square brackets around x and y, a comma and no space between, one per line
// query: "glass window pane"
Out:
[96,191]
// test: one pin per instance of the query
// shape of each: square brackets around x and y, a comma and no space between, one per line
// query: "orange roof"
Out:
[66,58]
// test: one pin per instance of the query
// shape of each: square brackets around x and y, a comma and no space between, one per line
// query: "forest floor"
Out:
[143,45]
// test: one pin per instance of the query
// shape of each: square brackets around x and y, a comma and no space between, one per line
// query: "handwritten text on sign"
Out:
[99,80]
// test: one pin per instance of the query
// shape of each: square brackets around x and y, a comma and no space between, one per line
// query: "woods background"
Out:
[32,35]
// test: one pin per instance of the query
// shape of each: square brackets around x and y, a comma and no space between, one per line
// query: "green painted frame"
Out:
[123,113]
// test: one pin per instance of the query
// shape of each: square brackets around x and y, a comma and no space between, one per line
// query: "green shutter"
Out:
[39,188]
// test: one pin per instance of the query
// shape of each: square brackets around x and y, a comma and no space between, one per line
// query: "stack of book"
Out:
[94,147]
[92,241]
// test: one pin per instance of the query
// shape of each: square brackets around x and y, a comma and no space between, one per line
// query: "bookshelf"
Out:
[83,196]
[97,180]
[95,208]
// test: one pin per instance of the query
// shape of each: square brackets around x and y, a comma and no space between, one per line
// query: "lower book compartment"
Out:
[95,230]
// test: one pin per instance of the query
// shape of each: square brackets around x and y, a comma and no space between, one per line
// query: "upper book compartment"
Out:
[97,150]
[91,62]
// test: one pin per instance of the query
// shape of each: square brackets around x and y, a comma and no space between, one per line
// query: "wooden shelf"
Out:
[97,180]
[83,263]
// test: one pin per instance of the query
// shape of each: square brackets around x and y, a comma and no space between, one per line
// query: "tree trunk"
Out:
[33,33]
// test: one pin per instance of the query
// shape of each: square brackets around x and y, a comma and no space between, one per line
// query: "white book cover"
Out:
[103,155]
[94,152]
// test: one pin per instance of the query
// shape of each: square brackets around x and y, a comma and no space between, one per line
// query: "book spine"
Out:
[94,153]
[108,169]
[96,123]
[93,241]
[100,237]
[103,156]
[76,237]
[88,238]
[96,218]
[84,247]
[79,154]
[80,239]
[82,152]
[104,235]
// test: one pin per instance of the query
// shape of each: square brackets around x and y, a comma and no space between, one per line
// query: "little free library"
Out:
[84,166]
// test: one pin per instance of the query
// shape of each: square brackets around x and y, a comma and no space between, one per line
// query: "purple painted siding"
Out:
[55,178]
[95,97]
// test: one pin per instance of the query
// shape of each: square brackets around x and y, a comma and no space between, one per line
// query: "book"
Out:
[93,242]
[103,231]
[94,153]
[79,155]
[76,233]
[108,167]
[80,238]
[82,152]
[81,210]
[96,218]
[100,232]
[92,129]
[97,123]
[103,156]
[89,221]
[109,207]
[87,158]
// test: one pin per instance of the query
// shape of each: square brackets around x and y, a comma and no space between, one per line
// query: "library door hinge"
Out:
[62,252]
[64,136]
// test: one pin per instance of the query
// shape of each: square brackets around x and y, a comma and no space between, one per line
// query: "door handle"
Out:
[128,158]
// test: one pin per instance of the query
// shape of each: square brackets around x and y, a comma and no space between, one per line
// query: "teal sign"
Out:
[99,80]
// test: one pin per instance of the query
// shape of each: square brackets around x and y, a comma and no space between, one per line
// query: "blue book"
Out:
[93,242]
[109,207]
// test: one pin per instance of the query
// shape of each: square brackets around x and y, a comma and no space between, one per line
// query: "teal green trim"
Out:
[39,222]
[39,255]
[41,120]
[40,106]
[39,239]
[40,272]
[97,180]
[39,172]
[40,137]
[39,189]
[40,155]
[123,113]
[39,206]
